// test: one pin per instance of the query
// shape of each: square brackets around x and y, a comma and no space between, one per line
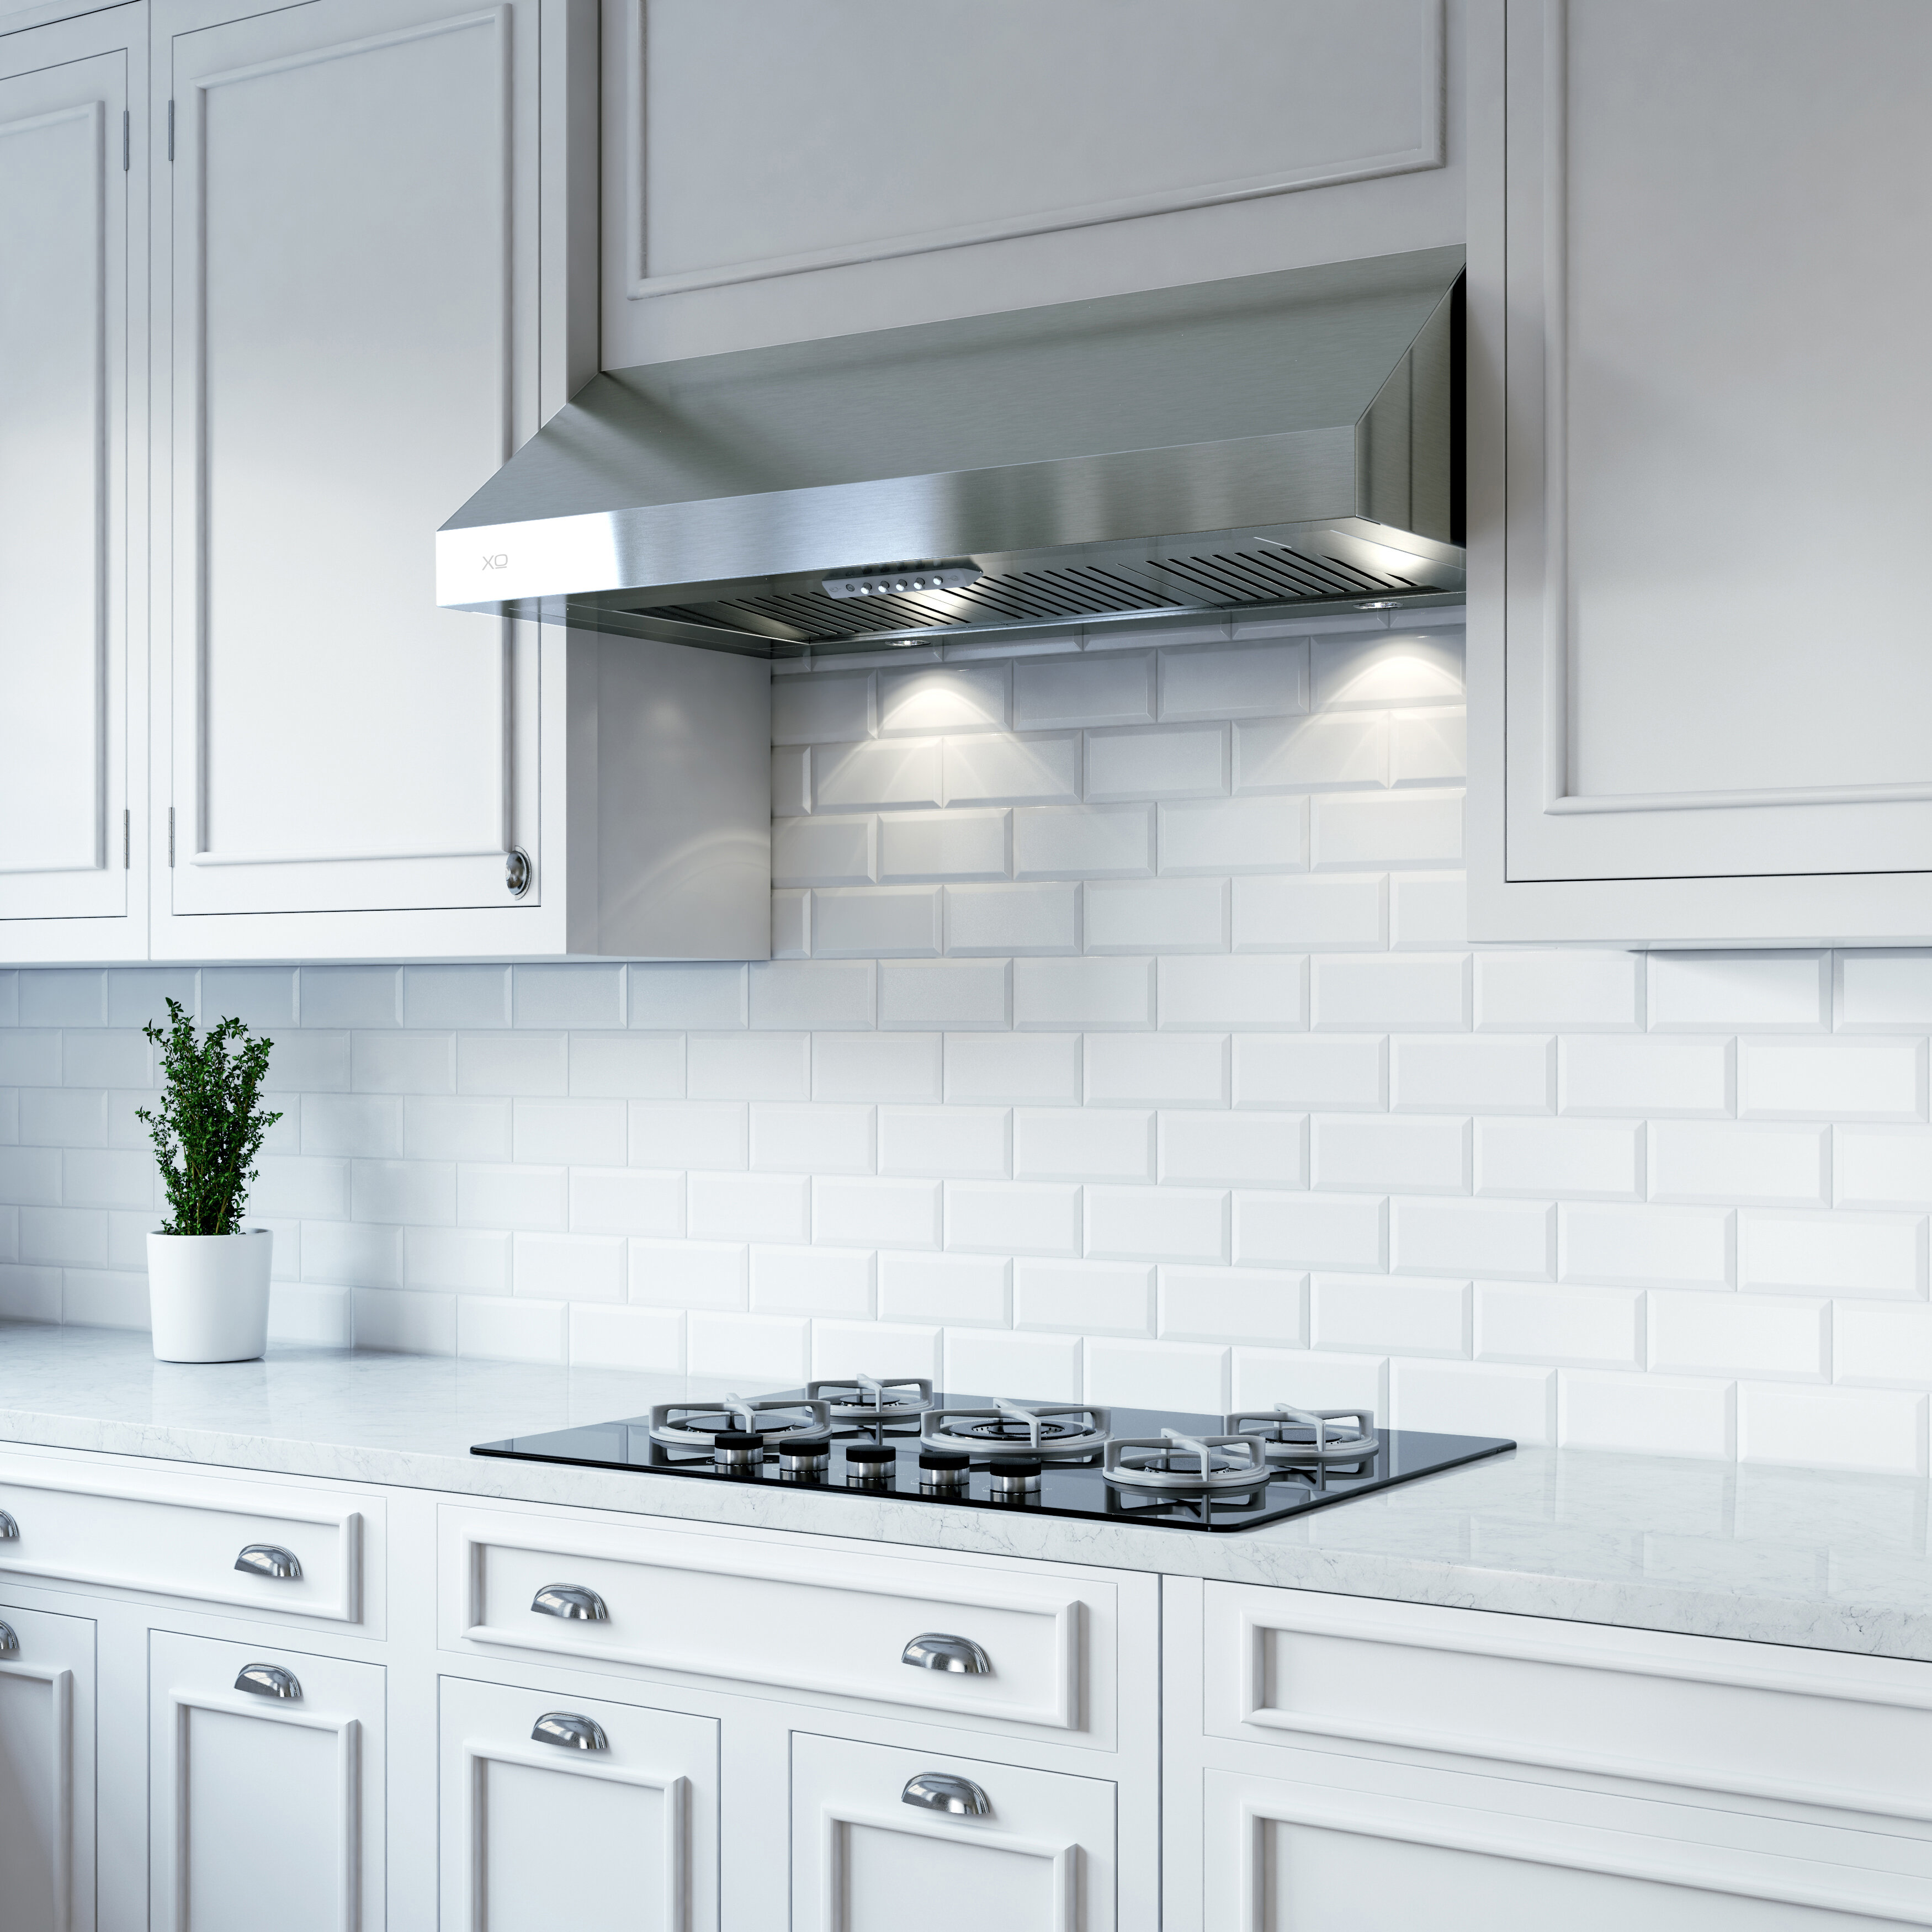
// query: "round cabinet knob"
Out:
[517,873]
[569,1730]
[270,1559]
[268,1680]
[571,1601]
[933,1650]
[941,1791]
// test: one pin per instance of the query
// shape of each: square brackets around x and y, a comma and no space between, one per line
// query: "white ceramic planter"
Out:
[208,1295]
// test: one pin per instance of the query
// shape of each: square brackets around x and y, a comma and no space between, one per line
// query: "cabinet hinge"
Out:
[171,835]
[127,841]
[171,131]
[127,141]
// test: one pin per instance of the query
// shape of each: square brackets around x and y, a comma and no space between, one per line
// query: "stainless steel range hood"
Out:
[1280,442]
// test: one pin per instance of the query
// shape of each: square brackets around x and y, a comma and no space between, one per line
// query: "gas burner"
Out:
[1174,1461]
[862,1398]
[1290,1434]
[696,1425]
[1007,1429]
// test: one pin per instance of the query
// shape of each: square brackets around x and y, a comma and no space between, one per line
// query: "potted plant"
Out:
[208,1276]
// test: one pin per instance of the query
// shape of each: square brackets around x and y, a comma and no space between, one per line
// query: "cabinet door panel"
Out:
[64,477]
[352,305]
[633,1822]
[46,1773]
[1040,1860]
[255,1798]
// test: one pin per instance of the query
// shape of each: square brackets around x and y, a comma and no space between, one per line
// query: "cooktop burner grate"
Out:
[1048,1458]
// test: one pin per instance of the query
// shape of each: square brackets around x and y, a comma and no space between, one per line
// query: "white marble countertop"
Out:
[1823,1559]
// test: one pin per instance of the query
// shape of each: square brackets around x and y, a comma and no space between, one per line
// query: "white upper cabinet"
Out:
[775,173]
[1700,643]
[72,515]
[369,291]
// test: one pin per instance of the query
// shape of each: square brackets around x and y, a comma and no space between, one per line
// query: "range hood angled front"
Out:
[1288,442]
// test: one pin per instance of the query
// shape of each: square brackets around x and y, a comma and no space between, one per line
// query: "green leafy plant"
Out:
[210,1123]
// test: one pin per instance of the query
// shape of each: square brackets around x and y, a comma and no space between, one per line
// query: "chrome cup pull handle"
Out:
[570,1730]
[268,1680]
[933,1650]
[10,1645]
[941,1791]
[270,1559]
[571,1601]
[10,1530]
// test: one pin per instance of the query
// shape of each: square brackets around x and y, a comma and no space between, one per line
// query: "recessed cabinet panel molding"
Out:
[1281,1855]
[706,1608]
[1253,98]
[46,1770]
[73,647]
[249,1548]
[1290,1668]
[1700,649]
[561,1808]
[265,1789]
[882,1838]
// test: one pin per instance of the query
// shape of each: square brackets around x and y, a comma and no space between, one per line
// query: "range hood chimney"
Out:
[1286,442]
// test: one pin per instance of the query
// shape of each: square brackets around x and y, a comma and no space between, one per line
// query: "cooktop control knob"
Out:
[1016,1477]
[944,1471]
[870,1465]
[739,1452]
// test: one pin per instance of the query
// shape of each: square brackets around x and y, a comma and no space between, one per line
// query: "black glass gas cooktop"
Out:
[851,1460]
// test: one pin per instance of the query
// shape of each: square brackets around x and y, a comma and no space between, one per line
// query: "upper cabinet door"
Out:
[1700,496]
[348,285]
[70,166]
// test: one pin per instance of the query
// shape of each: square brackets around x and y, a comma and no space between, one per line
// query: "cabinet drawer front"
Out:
[123,1529]
[631,1817]
[825,1622]
[1039,1857]
[1284,1666]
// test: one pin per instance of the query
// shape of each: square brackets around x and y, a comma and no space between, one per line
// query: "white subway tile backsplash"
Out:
[969,1290]
[1172,761]
[1826,1079]
[1419,993]
[1761,992]
[878,922]
[1262,1306]
[1257,680]
[1292,915]
[1098,841]
[1056,1014]
[1576,1160]
[1115,689]
[1756,1165]
[1043,769]
[1652,1415]
[1358,1154]
[1781,1253]
[839,851]
[1127,1070]
[960,844]
[1077,1144]
[1464,1075]
[1330,1074]
[971,1143]
[993,1217]
[1084,1297]
[1647,1247]
[944,697]
[1059,993]
[1317,754]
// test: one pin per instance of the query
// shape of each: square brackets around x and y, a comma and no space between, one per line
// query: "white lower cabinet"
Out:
[883,1837]
[46,1772]
[558,1808]
[265,1789]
